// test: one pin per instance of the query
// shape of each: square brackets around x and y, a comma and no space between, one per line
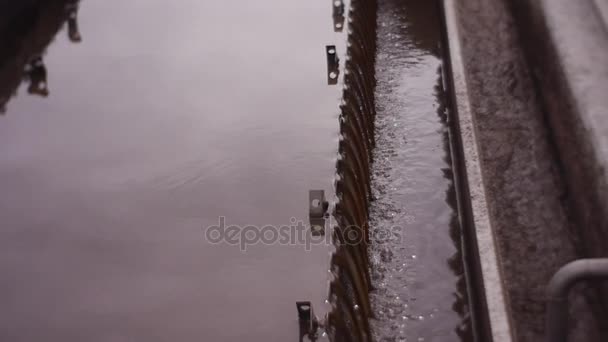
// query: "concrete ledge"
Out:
[503,131]
[495,323]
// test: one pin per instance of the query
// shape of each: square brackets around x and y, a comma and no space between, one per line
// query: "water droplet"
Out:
[356,307]
[332,75]
[414,256]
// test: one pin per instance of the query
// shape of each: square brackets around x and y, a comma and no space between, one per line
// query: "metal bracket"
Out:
[317,211]
[307,320]
[338,15]
[333,64]
[559,287]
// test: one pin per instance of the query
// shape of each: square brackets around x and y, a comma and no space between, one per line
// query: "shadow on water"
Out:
[28,27]
[461,303]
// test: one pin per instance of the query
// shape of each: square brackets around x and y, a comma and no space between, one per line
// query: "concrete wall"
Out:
[566,44]
[540,148]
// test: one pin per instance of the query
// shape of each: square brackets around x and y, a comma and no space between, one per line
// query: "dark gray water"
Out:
[420,294]
[166,116]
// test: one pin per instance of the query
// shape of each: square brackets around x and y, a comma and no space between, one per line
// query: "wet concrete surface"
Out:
[420,293]
[526,193]
[165,117]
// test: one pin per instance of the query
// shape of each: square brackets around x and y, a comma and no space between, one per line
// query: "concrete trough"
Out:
[566,43]
[529,81]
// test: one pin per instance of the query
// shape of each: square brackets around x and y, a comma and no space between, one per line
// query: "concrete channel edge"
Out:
[488,271]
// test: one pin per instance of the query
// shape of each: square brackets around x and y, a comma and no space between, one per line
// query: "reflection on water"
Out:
[420,294]
[168,115]
[28,29]
[73,31]
[35,72]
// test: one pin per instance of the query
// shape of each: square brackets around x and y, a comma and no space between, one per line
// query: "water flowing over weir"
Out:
[351,284]
[421,292]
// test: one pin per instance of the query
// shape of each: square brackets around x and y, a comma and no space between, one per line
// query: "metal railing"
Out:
[559,288]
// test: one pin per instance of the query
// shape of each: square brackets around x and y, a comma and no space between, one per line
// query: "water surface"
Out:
[166,116]
[419,288]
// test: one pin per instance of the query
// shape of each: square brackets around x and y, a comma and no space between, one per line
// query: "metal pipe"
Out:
[559,288]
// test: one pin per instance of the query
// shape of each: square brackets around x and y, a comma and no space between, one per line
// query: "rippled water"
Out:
[418,277]
[167,115]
